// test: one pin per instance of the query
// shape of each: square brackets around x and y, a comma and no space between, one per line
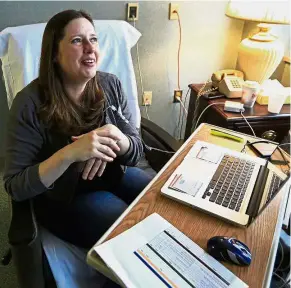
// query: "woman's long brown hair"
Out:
[58,110]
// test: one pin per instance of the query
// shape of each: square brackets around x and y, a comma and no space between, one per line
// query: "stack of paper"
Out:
[272,86]
[154,253]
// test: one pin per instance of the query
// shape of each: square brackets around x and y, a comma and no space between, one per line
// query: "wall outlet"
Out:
[173,7]
[177,94]
[132,11]
[147,98]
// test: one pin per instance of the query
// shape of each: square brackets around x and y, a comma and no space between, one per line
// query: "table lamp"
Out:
[260,54]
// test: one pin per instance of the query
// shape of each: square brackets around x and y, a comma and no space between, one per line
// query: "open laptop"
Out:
[225,183]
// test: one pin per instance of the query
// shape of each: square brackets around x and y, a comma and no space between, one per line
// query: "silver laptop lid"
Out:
[283,187]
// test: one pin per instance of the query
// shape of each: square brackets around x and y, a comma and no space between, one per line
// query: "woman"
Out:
[70,136]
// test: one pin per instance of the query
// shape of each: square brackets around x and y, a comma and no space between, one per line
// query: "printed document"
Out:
[153,253]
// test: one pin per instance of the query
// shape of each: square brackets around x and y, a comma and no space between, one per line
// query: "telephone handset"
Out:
[229,82]
[220,75]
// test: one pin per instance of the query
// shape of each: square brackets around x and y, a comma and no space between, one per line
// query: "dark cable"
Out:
[282,154]
[113,108]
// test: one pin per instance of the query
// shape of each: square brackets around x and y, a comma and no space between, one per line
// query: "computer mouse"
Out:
[229,250]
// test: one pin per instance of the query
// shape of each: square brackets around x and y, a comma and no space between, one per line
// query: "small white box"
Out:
[231,106]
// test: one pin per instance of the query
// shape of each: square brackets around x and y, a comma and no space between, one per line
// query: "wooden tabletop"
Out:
[200,226]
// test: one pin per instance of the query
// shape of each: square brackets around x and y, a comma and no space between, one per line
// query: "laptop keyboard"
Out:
[229,183]
[275,184]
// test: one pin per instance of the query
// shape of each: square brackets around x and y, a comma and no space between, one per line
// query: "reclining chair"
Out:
[116,38]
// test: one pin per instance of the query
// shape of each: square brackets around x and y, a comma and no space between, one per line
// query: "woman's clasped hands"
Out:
[97,147]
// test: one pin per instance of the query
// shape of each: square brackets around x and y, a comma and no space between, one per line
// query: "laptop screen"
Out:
[283,186]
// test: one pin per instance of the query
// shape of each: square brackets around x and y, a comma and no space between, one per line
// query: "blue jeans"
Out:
[90,214]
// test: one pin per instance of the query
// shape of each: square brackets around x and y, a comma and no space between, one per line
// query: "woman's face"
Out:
[78,52]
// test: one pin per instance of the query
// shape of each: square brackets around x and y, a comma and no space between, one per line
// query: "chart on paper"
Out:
[154,253]
[178,262]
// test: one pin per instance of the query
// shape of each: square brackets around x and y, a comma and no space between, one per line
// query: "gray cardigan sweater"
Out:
[29,142]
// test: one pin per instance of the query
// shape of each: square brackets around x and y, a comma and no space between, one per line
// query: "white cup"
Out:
[276,101]
[249,93]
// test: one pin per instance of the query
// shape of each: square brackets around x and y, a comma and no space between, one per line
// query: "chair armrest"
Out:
[156,137]
[162,137]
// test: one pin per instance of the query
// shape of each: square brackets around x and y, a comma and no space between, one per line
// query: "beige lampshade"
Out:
[260,54]
[276,12]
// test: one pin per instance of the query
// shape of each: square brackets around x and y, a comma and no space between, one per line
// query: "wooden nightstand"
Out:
[258,116]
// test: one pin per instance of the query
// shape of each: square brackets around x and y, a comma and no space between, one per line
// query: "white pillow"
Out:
[20,49]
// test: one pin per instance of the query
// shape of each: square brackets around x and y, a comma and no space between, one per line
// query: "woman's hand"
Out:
[93,166]
[113,132]
[91,145]
[96,165]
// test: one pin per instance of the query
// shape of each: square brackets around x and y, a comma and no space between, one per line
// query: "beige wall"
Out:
[209,43]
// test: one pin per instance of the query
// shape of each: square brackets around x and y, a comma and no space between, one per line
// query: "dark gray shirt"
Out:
[29,142]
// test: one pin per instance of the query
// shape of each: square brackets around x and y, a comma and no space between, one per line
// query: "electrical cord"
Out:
[202,92]
[185,113]
[284,144]
[216,103]
[241,113]
[202,88]
[185,110]
[264,141]
[179,48]
[286,161]
[138,63]
[113,108]
[146,110]
[140,74]
[178,72]
[281,261]
[157,149]
[285,282]
[284,269]
[282,258]
[269,157]
[199,94]
[185,101]
[283,156]
[179,121]
[243,150]
[196,110]
[108,107]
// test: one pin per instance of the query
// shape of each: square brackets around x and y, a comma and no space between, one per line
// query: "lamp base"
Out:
[260,55]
